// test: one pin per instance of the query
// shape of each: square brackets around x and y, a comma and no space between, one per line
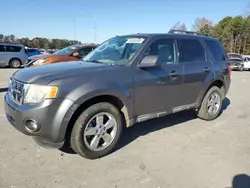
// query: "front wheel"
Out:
[97,131]
[211,104]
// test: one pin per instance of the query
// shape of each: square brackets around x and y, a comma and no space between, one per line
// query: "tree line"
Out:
[38,42]
[233,32]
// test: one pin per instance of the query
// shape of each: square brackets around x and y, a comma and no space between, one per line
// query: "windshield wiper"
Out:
[94,61]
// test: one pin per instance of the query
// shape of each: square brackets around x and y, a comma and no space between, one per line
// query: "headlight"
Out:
[37,93]
[40,61]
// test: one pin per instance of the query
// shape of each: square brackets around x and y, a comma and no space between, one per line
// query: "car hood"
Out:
[43,56]
[47,73]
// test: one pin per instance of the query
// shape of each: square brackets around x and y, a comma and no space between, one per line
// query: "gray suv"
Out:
[12,55]
[126,80]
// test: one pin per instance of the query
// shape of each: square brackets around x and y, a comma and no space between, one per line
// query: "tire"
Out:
[205,109]
[15,63]
[241,68]
[81,142]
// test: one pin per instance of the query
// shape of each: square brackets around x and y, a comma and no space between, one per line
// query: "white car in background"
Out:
[247,63]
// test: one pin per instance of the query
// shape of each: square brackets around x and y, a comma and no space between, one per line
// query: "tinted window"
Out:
[84,51]
[216,49]
[13,48]
[164,49]
[192,50]
[2,48]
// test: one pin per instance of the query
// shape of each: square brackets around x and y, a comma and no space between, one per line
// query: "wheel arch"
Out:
[79,107]
[217,82]
[13,59]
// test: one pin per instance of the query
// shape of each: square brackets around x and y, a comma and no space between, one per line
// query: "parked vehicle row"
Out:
[239,62]
[17,55]
[70,53]
[126,80]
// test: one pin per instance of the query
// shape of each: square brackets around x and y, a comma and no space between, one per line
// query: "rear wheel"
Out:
[211,104]
[15,63]
[97,131]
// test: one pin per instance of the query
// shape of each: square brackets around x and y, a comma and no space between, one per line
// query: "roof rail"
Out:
[186,32]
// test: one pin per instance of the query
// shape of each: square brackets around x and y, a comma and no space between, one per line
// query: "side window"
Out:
[2,48]
[13,48]
[216,49]
[192,50]
[165,49]
[84,51]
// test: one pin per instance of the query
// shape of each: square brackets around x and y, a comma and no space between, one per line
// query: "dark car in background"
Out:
[70,53]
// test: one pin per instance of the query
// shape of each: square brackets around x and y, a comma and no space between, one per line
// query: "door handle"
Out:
[173,74]
[206,69]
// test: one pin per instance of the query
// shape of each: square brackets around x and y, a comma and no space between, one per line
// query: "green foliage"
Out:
[39,42]
[233,32]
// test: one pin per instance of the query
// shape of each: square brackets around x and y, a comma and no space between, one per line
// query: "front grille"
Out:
[16,91]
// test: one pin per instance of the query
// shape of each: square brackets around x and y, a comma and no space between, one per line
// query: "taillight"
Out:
[229,70]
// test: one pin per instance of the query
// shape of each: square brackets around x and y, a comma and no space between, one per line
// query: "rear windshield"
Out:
[216,49]
[232,56]
[238,60]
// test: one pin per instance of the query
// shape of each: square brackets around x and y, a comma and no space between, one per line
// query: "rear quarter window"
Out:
[13,48]
[217,50]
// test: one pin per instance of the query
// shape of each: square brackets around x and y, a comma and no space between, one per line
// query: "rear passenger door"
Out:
[4,56]
[197,68]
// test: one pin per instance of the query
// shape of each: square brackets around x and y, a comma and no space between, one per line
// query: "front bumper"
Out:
[51,115]
[236,67]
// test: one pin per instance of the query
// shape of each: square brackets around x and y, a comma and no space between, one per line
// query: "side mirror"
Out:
[149,61]
[76,54]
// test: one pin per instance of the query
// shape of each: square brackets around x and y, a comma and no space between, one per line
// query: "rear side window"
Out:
[2,48]
[13,48]
[216,49]
[192,50]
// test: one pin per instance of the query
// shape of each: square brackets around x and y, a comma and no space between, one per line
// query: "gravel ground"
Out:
[172,152]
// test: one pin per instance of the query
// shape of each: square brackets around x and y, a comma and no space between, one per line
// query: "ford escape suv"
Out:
[12,55]
[127,79]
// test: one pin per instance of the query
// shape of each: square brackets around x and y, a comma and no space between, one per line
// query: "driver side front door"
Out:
[158,90]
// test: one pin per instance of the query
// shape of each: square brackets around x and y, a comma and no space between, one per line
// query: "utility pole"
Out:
[232,39]
[94,28]
[244,48]
[74,29]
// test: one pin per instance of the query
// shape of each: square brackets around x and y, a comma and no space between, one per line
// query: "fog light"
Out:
[31,126]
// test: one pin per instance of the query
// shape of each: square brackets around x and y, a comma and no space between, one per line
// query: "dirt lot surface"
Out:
[178,151]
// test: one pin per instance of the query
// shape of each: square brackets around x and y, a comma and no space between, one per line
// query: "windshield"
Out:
[65,50]
[116,51]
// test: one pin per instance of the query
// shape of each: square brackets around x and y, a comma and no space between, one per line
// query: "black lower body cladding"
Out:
[47,122]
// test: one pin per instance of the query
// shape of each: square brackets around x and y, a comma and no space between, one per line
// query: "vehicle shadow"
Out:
[5,89]
[141,129]
[241,181]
